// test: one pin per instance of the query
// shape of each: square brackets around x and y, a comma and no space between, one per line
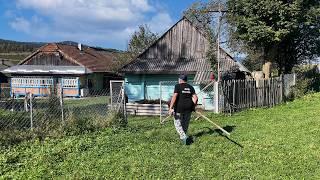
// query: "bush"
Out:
[115,119]
[47,122]
[78,123]
[308,80]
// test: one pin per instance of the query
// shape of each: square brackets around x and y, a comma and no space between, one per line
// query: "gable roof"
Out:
[89,58]
[180,49]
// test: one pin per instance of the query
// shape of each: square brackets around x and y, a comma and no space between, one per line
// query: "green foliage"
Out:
[141,39]
[277,143]
[80,117]
[17,119]
[122,59]
[308,80]
[196,13]
[199,18]
[285,32]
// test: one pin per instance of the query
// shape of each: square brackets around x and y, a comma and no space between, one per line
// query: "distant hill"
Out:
[8,46]
[16,51]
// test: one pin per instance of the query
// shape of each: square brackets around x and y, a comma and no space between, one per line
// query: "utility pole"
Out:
[220,11]
[218,41]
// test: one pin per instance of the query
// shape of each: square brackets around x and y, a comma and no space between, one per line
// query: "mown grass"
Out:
[277,143]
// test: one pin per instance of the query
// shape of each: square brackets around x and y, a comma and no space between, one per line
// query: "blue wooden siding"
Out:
[139,87]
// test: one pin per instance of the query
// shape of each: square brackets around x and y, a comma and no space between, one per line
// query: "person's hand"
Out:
[171,111]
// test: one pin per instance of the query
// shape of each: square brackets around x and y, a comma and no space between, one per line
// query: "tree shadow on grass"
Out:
[210,131]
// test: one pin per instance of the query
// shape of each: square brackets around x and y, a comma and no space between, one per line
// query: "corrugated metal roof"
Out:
[181,65]
[36,69]
[167,65]
[202,76]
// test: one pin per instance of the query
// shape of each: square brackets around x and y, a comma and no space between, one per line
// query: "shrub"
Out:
[79,123]
[308,80]
[15,121]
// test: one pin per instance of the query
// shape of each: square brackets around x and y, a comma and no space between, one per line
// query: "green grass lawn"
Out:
[81,102]
[277,143]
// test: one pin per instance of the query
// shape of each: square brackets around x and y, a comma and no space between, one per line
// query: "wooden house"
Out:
[182,49]
[76,71]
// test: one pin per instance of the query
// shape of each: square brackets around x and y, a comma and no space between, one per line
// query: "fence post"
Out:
[216,96]
[124,101]
[281,88]
[160,86]
[31,110]
[26,102]
[61,103]
[111,96]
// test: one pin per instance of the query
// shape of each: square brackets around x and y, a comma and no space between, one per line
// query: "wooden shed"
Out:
[182,49]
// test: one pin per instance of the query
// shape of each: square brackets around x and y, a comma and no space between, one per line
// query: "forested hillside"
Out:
[16,51]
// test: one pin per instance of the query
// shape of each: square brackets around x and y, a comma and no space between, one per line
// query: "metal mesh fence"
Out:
[99,109]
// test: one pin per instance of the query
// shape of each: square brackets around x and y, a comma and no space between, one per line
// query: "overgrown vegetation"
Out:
[200,18]
[308,80]
[281,142]
[283,32]
[79,117]
[141,40]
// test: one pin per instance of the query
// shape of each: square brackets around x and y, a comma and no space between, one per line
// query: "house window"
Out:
[70,82]
[31,81]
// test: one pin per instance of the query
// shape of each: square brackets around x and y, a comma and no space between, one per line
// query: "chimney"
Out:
[80,46]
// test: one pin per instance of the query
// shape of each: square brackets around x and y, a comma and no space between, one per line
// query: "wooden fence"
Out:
[236,95]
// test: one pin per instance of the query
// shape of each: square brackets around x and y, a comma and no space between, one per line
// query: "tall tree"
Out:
[141,39]
[285,32]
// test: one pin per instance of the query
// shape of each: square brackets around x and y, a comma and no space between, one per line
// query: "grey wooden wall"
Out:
[49,59]
[183,40]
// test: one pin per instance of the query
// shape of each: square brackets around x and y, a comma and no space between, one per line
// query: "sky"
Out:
[104,23]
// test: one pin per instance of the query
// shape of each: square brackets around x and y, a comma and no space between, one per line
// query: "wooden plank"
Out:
[219,127]
[143,105]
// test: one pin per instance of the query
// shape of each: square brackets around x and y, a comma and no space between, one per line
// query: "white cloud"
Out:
[21,24]
[93,10]
[160,23]
[91,21]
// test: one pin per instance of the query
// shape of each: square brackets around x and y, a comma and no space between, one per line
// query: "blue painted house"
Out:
[182,49]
